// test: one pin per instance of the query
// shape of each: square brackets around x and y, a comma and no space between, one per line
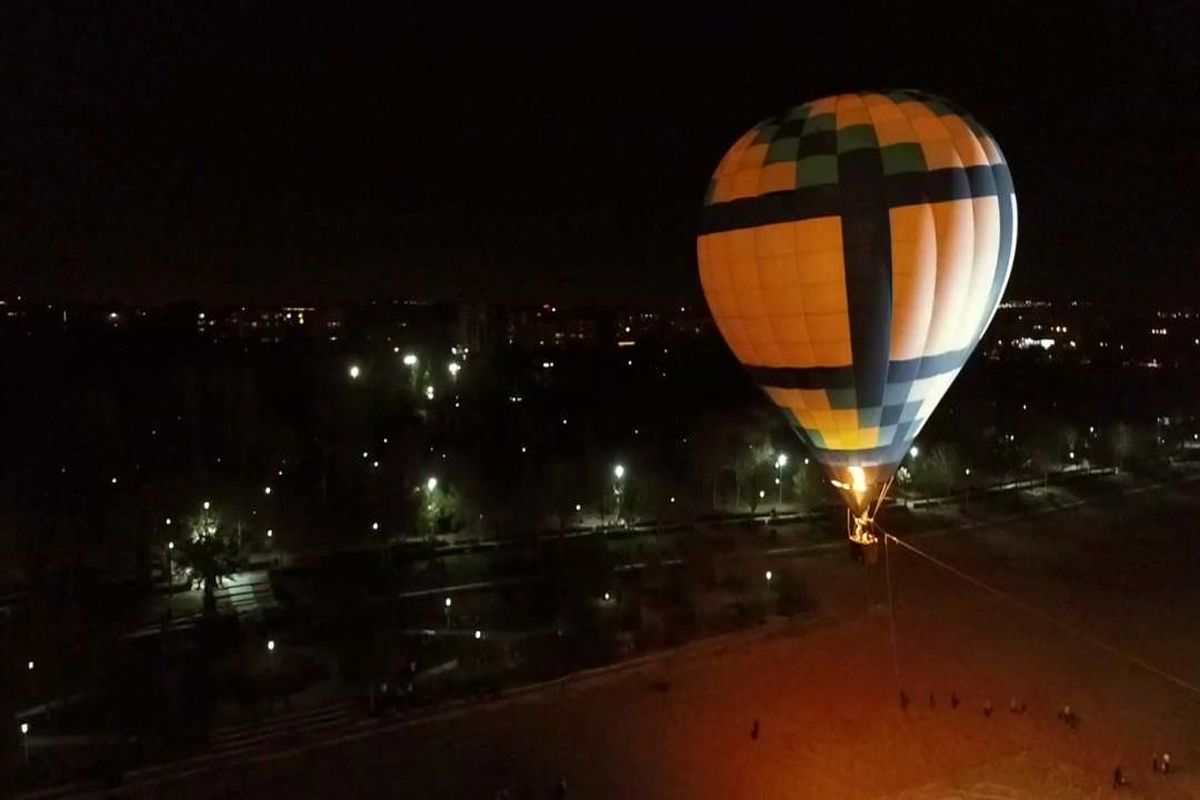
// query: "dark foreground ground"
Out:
[1125,570]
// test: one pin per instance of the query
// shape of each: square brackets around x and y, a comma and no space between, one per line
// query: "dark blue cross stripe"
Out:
[843,377]
[903,189]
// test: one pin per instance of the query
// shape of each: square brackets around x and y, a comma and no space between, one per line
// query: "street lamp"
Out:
[374,526]
[618,476]
[454,367]
[478,634]
[25,739]
[448,603]
[271,653]
[431,484]
[266,490]
[207,505]
[354,372]
[429,392]
[410,360]
[270,533]
[769,576]
[780,462]
[914,451]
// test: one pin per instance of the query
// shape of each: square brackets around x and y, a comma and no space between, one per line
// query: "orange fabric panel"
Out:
[936,143]
[914,278]
[986,211]
[954,221]
[778,177]
[970,152]
[819,235]
[851,110]
[745,183]
[775,240]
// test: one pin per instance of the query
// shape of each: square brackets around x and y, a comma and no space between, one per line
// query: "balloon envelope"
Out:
[853,251]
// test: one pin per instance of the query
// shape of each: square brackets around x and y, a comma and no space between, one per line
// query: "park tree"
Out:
[210,554]
[809,488]
[937,471]
[438,508]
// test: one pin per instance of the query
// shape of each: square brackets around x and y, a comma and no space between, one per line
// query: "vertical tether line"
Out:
[887,569]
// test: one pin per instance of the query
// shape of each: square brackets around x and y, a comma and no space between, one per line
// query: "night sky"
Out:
[255,153]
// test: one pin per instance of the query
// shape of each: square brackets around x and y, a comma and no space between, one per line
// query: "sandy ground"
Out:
[826,698]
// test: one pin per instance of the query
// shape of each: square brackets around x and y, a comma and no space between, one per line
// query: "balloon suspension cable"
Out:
[862,530]
[1046,617]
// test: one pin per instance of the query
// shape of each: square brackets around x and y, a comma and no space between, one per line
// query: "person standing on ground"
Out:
[1118,778]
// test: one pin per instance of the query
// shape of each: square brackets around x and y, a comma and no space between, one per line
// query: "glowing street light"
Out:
[429,392]
[607,597]
[266,490]
[29,666]
[446,608]
[618,476]
[270,533]
[781,461]
[374,526]
[431,484]
[914,451]
[454,367]
[207,505]
[478,634]
[168,520]
[769,575]
[354,372]
[271,645]
[410,359]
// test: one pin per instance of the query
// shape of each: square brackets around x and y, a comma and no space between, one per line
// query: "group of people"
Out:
[1066,715]
[1014,706]
[1159,763]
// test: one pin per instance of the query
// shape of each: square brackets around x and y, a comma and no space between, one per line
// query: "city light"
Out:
[781,461]
[170,545]
[914,451]
[410,360]
[168,520]
[29,666]
[478,634]
[449,602]
[24,728]
[266,490]
[354,372]
[271,645]
[578,507]
[270,532]
[607,597]
[619,471]
[769,576]
[207,505]
[431,484]
[374,526]
[429,392]
[454,367]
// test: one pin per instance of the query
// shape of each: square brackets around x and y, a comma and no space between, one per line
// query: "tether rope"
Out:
[1037,612]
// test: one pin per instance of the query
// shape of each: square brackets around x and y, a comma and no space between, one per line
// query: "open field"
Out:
[678,725]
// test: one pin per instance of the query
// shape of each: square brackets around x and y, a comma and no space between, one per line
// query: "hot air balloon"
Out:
[852,252]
